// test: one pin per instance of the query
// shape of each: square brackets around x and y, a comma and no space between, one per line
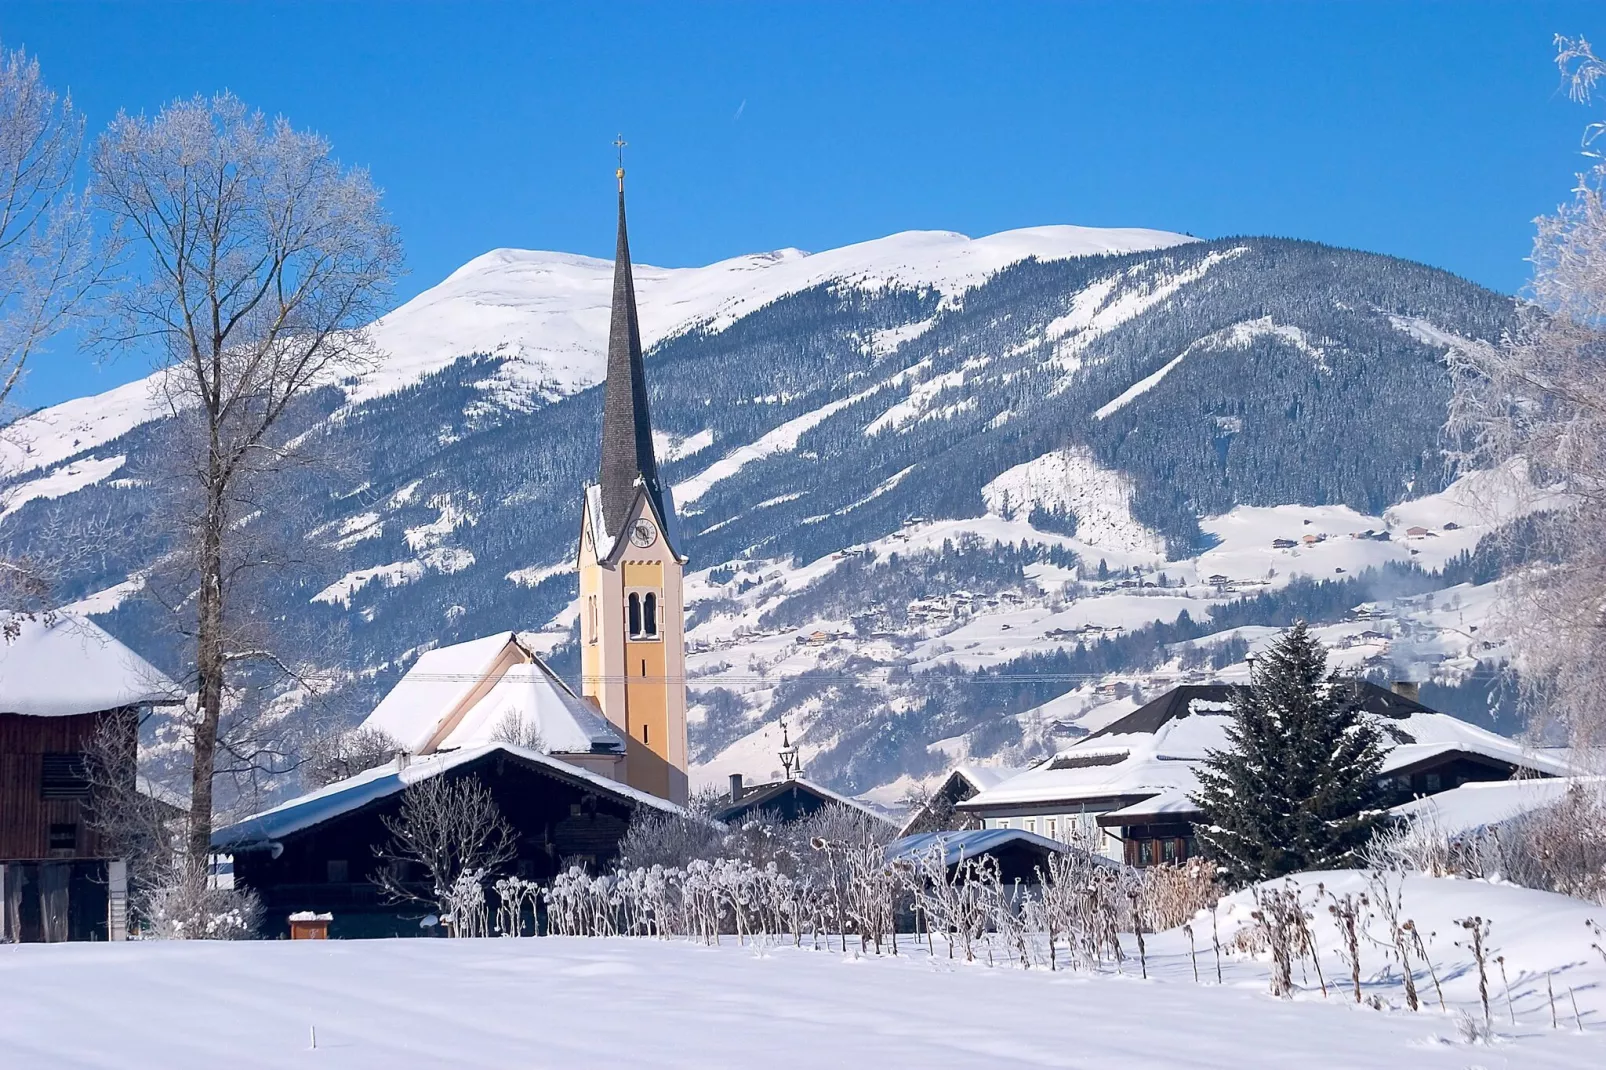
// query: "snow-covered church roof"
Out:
[1144,764]
[470,694]
[60,665]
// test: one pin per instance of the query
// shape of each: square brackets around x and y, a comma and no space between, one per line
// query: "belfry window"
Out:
[641,614]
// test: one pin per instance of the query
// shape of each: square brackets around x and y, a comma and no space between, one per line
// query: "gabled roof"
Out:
[1147,759]
[962,782]
[1217,698]
[982,777]
[958,847]
[756,797]
[61,666]
[372,785]
[460,696]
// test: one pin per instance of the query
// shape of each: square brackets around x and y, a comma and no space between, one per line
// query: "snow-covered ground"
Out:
[576,1002]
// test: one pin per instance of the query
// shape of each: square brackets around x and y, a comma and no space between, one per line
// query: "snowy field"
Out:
[575,1002]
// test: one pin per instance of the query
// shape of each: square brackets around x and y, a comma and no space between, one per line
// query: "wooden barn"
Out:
[63,681]
[321,852]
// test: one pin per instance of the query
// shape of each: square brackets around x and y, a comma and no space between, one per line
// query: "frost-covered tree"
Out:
[47,261]
[1535,405]
[1293,790]
[48,267]
[256,261]
[452,832]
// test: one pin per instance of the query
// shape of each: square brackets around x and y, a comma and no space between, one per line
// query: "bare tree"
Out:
[1533,406]
[336,756]
[48,267]
[259,259]
[448,827]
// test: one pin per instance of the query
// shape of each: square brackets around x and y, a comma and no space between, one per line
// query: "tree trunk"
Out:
[209,662]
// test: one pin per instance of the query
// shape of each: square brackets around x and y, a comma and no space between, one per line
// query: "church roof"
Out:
[467,694]
[628,461]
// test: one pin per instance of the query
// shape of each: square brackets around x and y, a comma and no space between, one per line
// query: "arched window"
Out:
[634,615]
[650,614]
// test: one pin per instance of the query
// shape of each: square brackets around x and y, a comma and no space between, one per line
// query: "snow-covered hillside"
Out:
[943,498]
[632,1002]
[546,314]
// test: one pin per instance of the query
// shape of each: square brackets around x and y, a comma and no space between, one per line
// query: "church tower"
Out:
[632,610]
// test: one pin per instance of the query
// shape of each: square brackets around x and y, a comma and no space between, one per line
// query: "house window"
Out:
[1053,827]
[1145,852]
[1031,824]
[1168,850]
[64,776]
[339,871]
[1431,782]
[644,733]
[641,614]
[63,837]
[591,618]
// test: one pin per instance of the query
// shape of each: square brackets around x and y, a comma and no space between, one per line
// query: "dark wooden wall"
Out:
[25,816]
[558,823]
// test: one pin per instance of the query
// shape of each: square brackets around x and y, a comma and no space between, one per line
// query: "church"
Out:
[632,614]
[569,770]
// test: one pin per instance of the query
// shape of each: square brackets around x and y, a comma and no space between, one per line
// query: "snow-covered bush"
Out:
[1556,848]
[183,905]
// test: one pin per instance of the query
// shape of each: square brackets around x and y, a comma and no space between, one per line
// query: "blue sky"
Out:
[1431,131]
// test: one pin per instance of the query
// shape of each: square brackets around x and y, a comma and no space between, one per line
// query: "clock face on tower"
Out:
[643,534]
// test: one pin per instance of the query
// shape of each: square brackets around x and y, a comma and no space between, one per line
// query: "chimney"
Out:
[402,760]
[1408,689]
[736,787]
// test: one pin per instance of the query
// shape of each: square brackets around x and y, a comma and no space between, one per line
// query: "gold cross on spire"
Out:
[620,143]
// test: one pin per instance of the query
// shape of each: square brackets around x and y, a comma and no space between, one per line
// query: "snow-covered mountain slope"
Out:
[930,500]
[545,315]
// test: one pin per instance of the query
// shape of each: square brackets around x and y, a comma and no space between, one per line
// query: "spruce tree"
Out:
[1295,789]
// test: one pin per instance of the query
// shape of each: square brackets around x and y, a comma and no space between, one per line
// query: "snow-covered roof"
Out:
[599,527]
[982,777]
[371,785]
[1479,805]
[460,696]
[1149,758]
[959,846]
[62,665]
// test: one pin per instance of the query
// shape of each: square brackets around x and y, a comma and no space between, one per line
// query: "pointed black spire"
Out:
[627,454]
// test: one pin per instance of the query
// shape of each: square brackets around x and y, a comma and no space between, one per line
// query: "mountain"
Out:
[944,497]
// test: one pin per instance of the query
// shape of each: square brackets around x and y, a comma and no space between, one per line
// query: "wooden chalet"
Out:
[63,681]
[788,800]
[321,852]
[1126,790]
